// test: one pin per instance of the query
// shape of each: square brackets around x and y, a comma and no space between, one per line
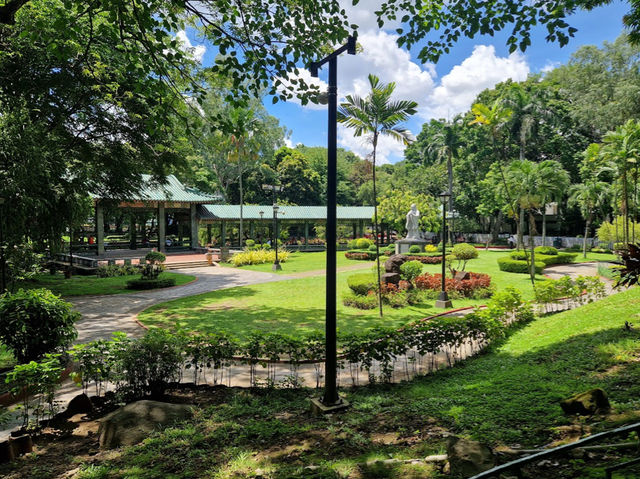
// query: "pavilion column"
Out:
[252,229]
[209,235]
[223,234]
[355,230]
[99,229]
[361,227]
[162,228]
[194,227]
[133,234]
[306,233]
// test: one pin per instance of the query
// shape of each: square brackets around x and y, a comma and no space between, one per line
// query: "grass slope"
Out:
[507,396]
[92,285]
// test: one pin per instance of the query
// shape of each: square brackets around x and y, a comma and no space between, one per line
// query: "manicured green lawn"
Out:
[510,395]
[298,305]
[300,262]
[87,285]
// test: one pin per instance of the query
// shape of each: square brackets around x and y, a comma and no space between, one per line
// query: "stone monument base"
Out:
[403,245]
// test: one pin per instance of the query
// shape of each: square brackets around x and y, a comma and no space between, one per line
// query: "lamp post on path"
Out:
[274,243]
[443,300]
[331,401]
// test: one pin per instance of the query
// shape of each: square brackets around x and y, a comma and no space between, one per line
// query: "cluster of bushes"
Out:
[360,244]
[258,256]
[477,286]
[363,255]
[113,270]
[518,261]
[150,273]
[601,250]
[579,291]
[430,248]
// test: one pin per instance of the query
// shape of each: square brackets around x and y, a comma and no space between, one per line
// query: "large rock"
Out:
[586,403]
[134,422]
[393,278]
[392,265]
[468,458]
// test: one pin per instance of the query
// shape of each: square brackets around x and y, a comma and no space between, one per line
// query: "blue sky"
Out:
[441,90]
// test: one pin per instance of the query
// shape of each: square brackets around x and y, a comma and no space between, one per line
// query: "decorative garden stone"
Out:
[468,458]
[134,422]
[586,403]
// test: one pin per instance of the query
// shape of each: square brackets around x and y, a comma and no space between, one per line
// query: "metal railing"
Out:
[515,466]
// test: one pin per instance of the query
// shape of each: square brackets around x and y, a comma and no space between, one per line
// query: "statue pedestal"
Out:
[403,245]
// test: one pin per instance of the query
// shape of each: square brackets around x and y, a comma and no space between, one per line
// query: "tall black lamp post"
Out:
[3,262]
[443,300]
[274,189]
[331,401]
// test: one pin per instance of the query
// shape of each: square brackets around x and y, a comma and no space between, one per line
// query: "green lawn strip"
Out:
[92,285]
[509,395]
[298,305]
[6,358]
[299,262]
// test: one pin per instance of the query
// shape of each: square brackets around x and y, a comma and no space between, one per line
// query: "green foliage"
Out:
[36,322]
[395,204]
[584,289]
[518,266]
[613,231]
[250,243]
[151,363]
[155,257]
[410,270]
[258,256]
[22,262]
[152,283]
[373,248]
[38,381]
[361,283]
[363,243]
[414,248]
[546,250]
[115,270]
[367,301]
[463,252]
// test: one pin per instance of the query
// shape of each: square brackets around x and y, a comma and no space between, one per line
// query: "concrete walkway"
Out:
[104,315]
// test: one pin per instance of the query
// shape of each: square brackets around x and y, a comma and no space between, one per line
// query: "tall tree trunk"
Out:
[375,222]
[532,231]
[586,235]
[544,224]
[625,208]
[450,177]
[241,201]
[520,229]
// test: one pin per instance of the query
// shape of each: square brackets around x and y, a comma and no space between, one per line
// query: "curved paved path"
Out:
[104,315]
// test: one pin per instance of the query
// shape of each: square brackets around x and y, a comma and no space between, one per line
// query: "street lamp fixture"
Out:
[443,300]
[331,401]
[274,241]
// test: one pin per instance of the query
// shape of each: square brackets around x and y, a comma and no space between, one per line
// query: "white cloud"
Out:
[549,66]
[481,70]
[387,149]
[196,52]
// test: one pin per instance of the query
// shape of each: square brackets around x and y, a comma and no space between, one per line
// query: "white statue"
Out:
[413,223]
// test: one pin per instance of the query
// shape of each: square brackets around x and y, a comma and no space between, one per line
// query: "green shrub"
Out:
[373,248]
[548,250]
[414,249]
[564,258]
[250,243]
[369,301]
[410,270]
[258,256]
[152,362]
[558,258]
[463,252]
[155,283]
[113,270]
[363,243]
[361,283]
[518,266]
[36,322]
[601,250]
[352,244]
[155,257]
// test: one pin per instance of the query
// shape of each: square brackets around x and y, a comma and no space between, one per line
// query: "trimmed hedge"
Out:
[548,250]
[369,301]
[414,249]
[547,260]
[140,284]
[363,255]
[361,283]
[424,258]
[511,265]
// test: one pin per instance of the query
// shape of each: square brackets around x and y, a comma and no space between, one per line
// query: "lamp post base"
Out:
[443,301]
[276,267]
[318,408]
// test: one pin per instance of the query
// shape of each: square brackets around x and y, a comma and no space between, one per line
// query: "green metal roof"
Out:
[172,190]
[252,212]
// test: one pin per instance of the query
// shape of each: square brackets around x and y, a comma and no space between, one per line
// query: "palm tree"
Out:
[373,116]
[621,150]
[589,196]
[553,181]
[446,145]
[496,117]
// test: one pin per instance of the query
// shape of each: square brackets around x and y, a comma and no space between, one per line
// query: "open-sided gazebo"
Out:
[171,196]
